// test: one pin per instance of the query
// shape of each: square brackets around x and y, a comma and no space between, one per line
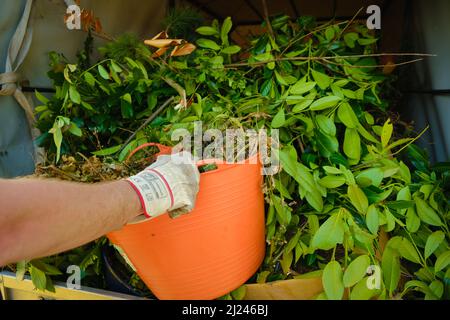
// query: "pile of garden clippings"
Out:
[91,170]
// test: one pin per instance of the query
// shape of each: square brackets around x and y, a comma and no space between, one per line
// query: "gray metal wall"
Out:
[429,32]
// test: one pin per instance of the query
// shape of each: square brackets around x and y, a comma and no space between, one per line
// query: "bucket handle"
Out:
[162,149]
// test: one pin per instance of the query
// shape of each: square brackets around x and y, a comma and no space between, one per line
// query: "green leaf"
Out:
[40,97]
[358,198]
[386,133]
[361,291]
[399,143]
[38,278]
[366,42]
[321,79]
[21,269]
[325,103]
[57,138]
[399,205]
[350,39]
[352,144]
[74,95]
[416,285]
[408,251]
[426,213]
[89,78]
[266,87]
[390,266]
[412,220]
[239,293]
[365,134]
[289,164]
[115,67]
[356,271]
[404,194]
[326,144]
[330,233]
[390,220]
[437,287]
[283,213]
[207,31]
[286,261]
[132,63]
[67,75]
[349,93]
[226,27]
[370,177]
[332,281]
[47,268]
[126,107]
[442,261]
[262,276]
[107,151]
[73,129]
[313,224]
[114,75]
[270,215]
[329,33]
[280,79]
[231,50]
[279,120]
[372,219]
[282,189]
[302,87]
[332,182]
[433,242]
[298,252]
[103,73]
[209,44]
[87,106]
[302,105]
[293,242]
[347,116]
[326,125]
[315,200]
[72,67]
[217,61]
[332,170]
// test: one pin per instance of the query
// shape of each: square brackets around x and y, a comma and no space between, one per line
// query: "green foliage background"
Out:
[349,175]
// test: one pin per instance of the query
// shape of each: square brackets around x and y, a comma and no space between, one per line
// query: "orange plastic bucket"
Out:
[210,251]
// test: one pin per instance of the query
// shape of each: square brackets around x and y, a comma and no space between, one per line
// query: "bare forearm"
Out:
[39,218]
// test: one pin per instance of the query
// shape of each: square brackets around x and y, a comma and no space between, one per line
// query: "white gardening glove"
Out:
[169,185]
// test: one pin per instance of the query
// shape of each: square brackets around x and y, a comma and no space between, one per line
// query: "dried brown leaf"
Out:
[162,43]
[158,53]
[161,35]
[183,50]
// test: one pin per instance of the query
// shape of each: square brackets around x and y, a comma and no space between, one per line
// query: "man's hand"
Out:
[169,185]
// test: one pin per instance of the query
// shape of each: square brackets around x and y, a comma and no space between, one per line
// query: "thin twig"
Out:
[345,28]
[259,63]
[73,177]
[90,165]
[266,17]
[149,119]
[103,36]
[322,27]
[374,66]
